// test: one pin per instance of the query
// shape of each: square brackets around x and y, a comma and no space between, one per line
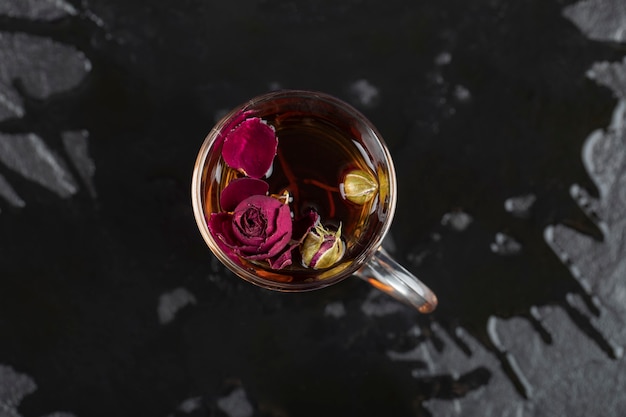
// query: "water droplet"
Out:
[457,220]
[520,206]
[505,245]
[364,93]
[335,309]
[444,58]
[462,94]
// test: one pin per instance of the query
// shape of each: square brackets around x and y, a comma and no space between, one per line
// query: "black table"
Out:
[507,122]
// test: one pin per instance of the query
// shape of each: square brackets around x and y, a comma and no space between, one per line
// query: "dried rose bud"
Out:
[359,186]
[322,248]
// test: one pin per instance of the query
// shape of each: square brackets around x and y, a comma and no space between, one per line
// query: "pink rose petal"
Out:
[251,147]
[239,189]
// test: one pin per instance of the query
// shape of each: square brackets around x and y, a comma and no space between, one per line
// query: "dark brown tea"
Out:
[296,190]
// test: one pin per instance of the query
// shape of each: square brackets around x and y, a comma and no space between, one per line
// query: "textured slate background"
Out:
[507,120]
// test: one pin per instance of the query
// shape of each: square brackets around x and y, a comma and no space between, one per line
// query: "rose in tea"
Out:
[295,193]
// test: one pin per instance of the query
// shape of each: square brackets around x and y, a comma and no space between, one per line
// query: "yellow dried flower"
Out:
[360,186]
[322,248]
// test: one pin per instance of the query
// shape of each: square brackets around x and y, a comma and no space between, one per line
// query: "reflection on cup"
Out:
[295,190]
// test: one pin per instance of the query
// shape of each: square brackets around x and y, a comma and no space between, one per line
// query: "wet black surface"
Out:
[111,304]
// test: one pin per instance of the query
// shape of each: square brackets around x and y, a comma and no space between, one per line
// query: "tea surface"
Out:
[319,167]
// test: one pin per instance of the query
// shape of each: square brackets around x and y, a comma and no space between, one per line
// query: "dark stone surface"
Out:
[507,121]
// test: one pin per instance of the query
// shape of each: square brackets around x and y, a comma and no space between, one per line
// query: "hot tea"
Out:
[295,192]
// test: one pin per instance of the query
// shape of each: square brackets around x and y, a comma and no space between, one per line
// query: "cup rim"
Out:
[197,199]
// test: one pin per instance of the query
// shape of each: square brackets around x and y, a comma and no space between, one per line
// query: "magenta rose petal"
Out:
[303,225]
[220,226]
[281,261]
[269,251]
[279,233]
[239,189]
[232,123]
[217,222]
[300,229]
[282,223]
[251,147]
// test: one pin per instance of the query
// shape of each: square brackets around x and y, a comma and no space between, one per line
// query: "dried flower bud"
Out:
[322,248]
[359,186]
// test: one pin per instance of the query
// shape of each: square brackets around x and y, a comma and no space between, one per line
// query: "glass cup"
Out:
[330,162]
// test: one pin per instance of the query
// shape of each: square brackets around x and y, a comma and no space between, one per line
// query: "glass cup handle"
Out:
[387,275]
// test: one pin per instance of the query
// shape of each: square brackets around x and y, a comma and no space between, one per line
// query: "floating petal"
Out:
[239,189]
[251,147]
